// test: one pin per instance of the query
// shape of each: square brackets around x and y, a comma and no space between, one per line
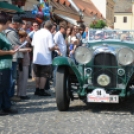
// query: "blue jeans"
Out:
[14,70]
[13,78]
[54,75]
[12,86]
[5,75]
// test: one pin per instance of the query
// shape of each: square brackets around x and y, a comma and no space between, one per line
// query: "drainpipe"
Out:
[76,8]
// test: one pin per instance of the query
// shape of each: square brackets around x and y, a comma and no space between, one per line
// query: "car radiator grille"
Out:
[105,59]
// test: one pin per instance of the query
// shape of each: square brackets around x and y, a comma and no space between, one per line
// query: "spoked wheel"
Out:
[62,89]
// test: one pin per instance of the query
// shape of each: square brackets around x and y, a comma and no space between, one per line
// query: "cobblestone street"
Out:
[39,115]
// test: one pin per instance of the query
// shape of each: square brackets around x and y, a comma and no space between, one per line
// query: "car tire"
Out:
[62,89]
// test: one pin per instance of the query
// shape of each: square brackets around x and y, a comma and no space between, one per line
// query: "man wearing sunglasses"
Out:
[35,27]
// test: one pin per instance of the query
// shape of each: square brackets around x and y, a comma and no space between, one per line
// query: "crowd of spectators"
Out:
[41,43]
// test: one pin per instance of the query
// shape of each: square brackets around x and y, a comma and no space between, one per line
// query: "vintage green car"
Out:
[103,71]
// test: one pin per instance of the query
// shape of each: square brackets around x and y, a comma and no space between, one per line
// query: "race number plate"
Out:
[100,95]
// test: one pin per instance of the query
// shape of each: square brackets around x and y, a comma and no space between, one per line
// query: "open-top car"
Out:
[103,70]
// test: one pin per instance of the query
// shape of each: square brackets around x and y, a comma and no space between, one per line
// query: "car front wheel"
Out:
[62,89]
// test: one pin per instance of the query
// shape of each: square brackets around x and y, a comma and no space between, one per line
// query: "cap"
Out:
[17,19]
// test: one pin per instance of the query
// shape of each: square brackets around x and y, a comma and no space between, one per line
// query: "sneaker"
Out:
[2,113]
[24,97]
[11,111]
[15,98]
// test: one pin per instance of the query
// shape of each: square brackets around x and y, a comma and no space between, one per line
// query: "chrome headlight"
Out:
[103,80]
[83,55]
[125,56]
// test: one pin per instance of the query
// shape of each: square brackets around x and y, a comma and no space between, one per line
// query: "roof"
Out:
[123,6]
[63,5]
[87,7]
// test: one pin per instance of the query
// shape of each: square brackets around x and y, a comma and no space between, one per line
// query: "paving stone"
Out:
[39,115]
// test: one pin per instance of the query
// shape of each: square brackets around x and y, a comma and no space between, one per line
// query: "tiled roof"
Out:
[124,6]
[86,6]
[63,5]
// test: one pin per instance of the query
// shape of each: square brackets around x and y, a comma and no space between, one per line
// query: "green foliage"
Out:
[98,24]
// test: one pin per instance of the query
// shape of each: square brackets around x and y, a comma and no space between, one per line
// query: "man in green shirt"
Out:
[5,68]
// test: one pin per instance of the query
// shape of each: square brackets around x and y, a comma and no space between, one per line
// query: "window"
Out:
[125,19]
[115,19]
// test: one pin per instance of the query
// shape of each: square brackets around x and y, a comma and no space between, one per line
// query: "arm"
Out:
[14,39]
[10,52]
[51,44]
[25,50]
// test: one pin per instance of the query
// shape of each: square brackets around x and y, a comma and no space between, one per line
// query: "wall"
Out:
[119,24]
[110,13]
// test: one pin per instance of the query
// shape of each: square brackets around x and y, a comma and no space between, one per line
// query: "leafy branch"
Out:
[98,24]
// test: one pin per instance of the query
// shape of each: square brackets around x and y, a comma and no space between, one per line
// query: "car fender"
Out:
[66,61]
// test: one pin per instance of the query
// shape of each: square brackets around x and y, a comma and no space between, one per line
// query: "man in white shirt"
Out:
[60,41]
[42,46]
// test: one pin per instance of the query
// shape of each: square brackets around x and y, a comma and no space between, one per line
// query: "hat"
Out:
[17,19]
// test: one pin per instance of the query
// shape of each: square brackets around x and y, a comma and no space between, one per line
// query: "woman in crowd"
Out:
[72,42]
[23,74]
[5,68]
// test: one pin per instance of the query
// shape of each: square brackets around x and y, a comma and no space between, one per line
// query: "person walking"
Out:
[42,46]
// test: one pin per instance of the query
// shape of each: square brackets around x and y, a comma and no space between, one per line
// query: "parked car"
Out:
[103,71]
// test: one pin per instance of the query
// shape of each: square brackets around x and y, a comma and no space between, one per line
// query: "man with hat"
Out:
[13,37]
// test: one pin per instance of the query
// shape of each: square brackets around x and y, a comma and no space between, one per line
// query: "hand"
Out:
[57,48]
[72,51]
[12,52]
[15,47]
[59,53]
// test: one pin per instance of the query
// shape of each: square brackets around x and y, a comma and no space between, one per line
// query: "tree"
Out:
[98,24]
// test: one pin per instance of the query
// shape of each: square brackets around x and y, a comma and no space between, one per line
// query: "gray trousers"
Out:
[22,82]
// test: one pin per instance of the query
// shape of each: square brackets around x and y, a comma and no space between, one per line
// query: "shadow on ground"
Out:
[45,104]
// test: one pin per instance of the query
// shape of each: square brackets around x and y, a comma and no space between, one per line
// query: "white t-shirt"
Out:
[42,41]
[59,40]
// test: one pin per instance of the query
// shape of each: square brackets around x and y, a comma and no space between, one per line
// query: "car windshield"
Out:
[111,35]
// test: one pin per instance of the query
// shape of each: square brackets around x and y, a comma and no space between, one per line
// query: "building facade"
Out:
[124,15]
[106,7]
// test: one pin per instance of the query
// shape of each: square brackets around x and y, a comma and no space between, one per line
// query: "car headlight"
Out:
[83,55]
[103,80]
[125,56]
